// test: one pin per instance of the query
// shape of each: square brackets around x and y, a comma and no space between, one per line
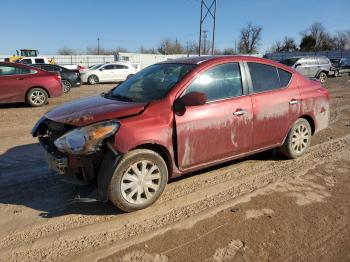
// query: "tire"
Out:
[323,77]
[37,97]
[93,79]
[131,75]
[128,189]
[298,139]
[66,86]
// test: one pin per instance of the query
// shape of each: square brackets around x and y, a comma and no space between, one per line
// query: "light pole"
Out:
[98,46]
[211,10]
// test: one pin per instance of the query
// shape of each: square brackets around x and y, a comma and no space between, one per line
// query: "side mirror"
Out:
[297,65]
[189,99]
[101,69]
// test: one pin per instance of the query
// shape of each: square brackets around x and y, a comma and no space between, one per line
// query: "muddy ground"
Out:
[260,208]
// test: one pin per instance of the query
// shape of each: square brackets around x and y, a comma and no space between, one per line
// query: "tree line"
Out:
[314,38]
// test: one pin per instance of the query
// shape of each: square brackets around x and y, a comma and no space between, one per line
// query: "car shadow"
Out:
[14,105]
[25,180]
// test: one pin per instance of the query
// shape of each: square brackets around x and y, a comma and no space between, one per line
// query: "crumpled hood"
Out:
[93,109]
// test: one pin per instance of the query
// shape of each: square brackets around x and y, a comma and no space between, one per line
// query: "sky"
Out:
[50,25]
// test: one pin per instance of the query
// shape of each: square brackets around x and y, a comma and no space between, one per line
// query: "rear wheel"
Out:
[298,139]
[93,79]
[37,97]
[138,180]
[323,77]
[66,86]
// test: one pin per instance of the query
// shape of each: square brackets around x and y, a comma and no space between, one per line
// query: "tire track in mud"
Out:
[184,204]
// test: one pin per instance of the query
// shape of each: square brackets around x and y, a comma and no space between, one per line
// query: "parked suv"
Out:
[179,116]
[22,83]
[311,66]
[111,72]
[341,66]
[70,78]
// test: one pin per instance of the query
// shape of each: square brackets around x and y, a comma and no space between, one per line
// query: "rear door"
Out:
[121,72]
[220,129]
[276,104]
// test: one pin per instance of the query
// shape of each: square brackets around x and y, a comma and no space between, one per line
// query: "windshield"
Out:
[151,83]
[95,66]
[290,61]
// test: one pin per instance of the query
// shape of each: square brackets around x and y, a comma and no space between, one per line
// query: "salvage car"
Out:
[311,66]
[341,66]
[69,77]
[22,83]
[110,72]
[179,116]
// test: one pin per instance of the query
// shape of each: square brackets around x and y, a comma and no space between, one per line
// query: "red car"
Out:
[21,83]
[179,116]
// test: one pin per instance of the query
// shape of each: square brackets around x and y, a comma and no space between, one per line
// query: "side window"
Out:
[119,67]
[220,82]
[23,71]
[264,77]
[109,67]
[7,70]
[284,77]
[323,61]
[26,61]
[39,61]
[311,61]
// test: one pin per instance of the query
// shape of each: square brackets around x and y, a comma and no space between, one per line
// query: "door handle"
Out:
[239,112]
[293,102]
[19,78]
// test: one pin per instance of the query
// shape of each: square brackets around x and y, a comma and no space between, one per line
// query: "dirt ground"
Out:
[260,208]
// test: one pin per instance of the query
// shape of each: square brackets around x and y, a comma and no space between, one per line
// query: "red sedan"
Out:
[21,83]
[179,116]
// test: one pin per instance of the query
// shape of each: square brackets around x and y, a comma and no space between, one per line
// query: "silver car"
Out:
[311,66]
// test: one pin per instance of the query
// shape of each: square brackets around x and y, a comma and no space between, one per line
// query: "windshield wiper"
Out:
[121,97]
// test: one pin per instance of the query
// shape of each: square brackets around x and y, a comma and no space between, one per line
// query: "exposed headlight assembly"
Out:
[86,140]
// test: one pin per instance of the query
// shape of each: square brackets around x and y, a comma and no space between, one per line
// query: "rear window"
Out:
[323,60]
[39,61]
[264,77]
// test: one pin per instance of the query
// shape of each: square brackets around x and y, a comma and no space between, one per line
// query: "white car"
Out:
[111,72]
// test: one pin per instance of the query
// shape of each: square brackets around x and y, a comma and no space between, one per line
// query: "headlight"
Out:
[86,140]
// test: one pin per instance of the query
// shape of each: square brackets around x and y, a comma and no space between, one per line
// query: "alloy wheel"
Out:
[140,182]
[38,97]
[66,86]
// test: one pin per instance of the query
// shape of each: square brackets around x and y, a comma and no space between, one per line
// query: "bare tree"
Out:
[168,47]
[144,50]
[66,51]
[286,45]
[321,36]
[250,39]
[341,40]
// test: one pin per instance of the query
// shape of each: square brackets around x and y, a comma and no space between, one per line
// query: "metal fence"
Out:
[83,60]
[330,54]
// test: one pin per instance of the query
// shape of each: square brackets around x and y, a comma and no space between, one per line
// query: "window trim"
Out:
[34,71]
[245,85]
[250,82]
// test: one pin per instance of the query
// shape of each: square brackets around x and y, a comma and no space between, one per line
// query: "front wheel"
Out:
[298,139]
[66,86]
[138,180]
[323,77]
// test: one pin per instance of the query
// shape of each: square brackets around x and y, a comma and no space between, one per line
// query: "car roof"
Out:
[203,59]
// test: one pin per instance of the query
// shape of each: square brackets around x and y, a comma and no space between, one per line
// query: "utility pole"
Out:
[98,46]
[211,10]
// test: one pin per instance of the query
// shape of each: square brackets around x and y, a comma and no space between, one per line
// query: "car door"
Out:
[121,72]
[275,101]
[314,66]
[107,73]
[219,129]
[12,83]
